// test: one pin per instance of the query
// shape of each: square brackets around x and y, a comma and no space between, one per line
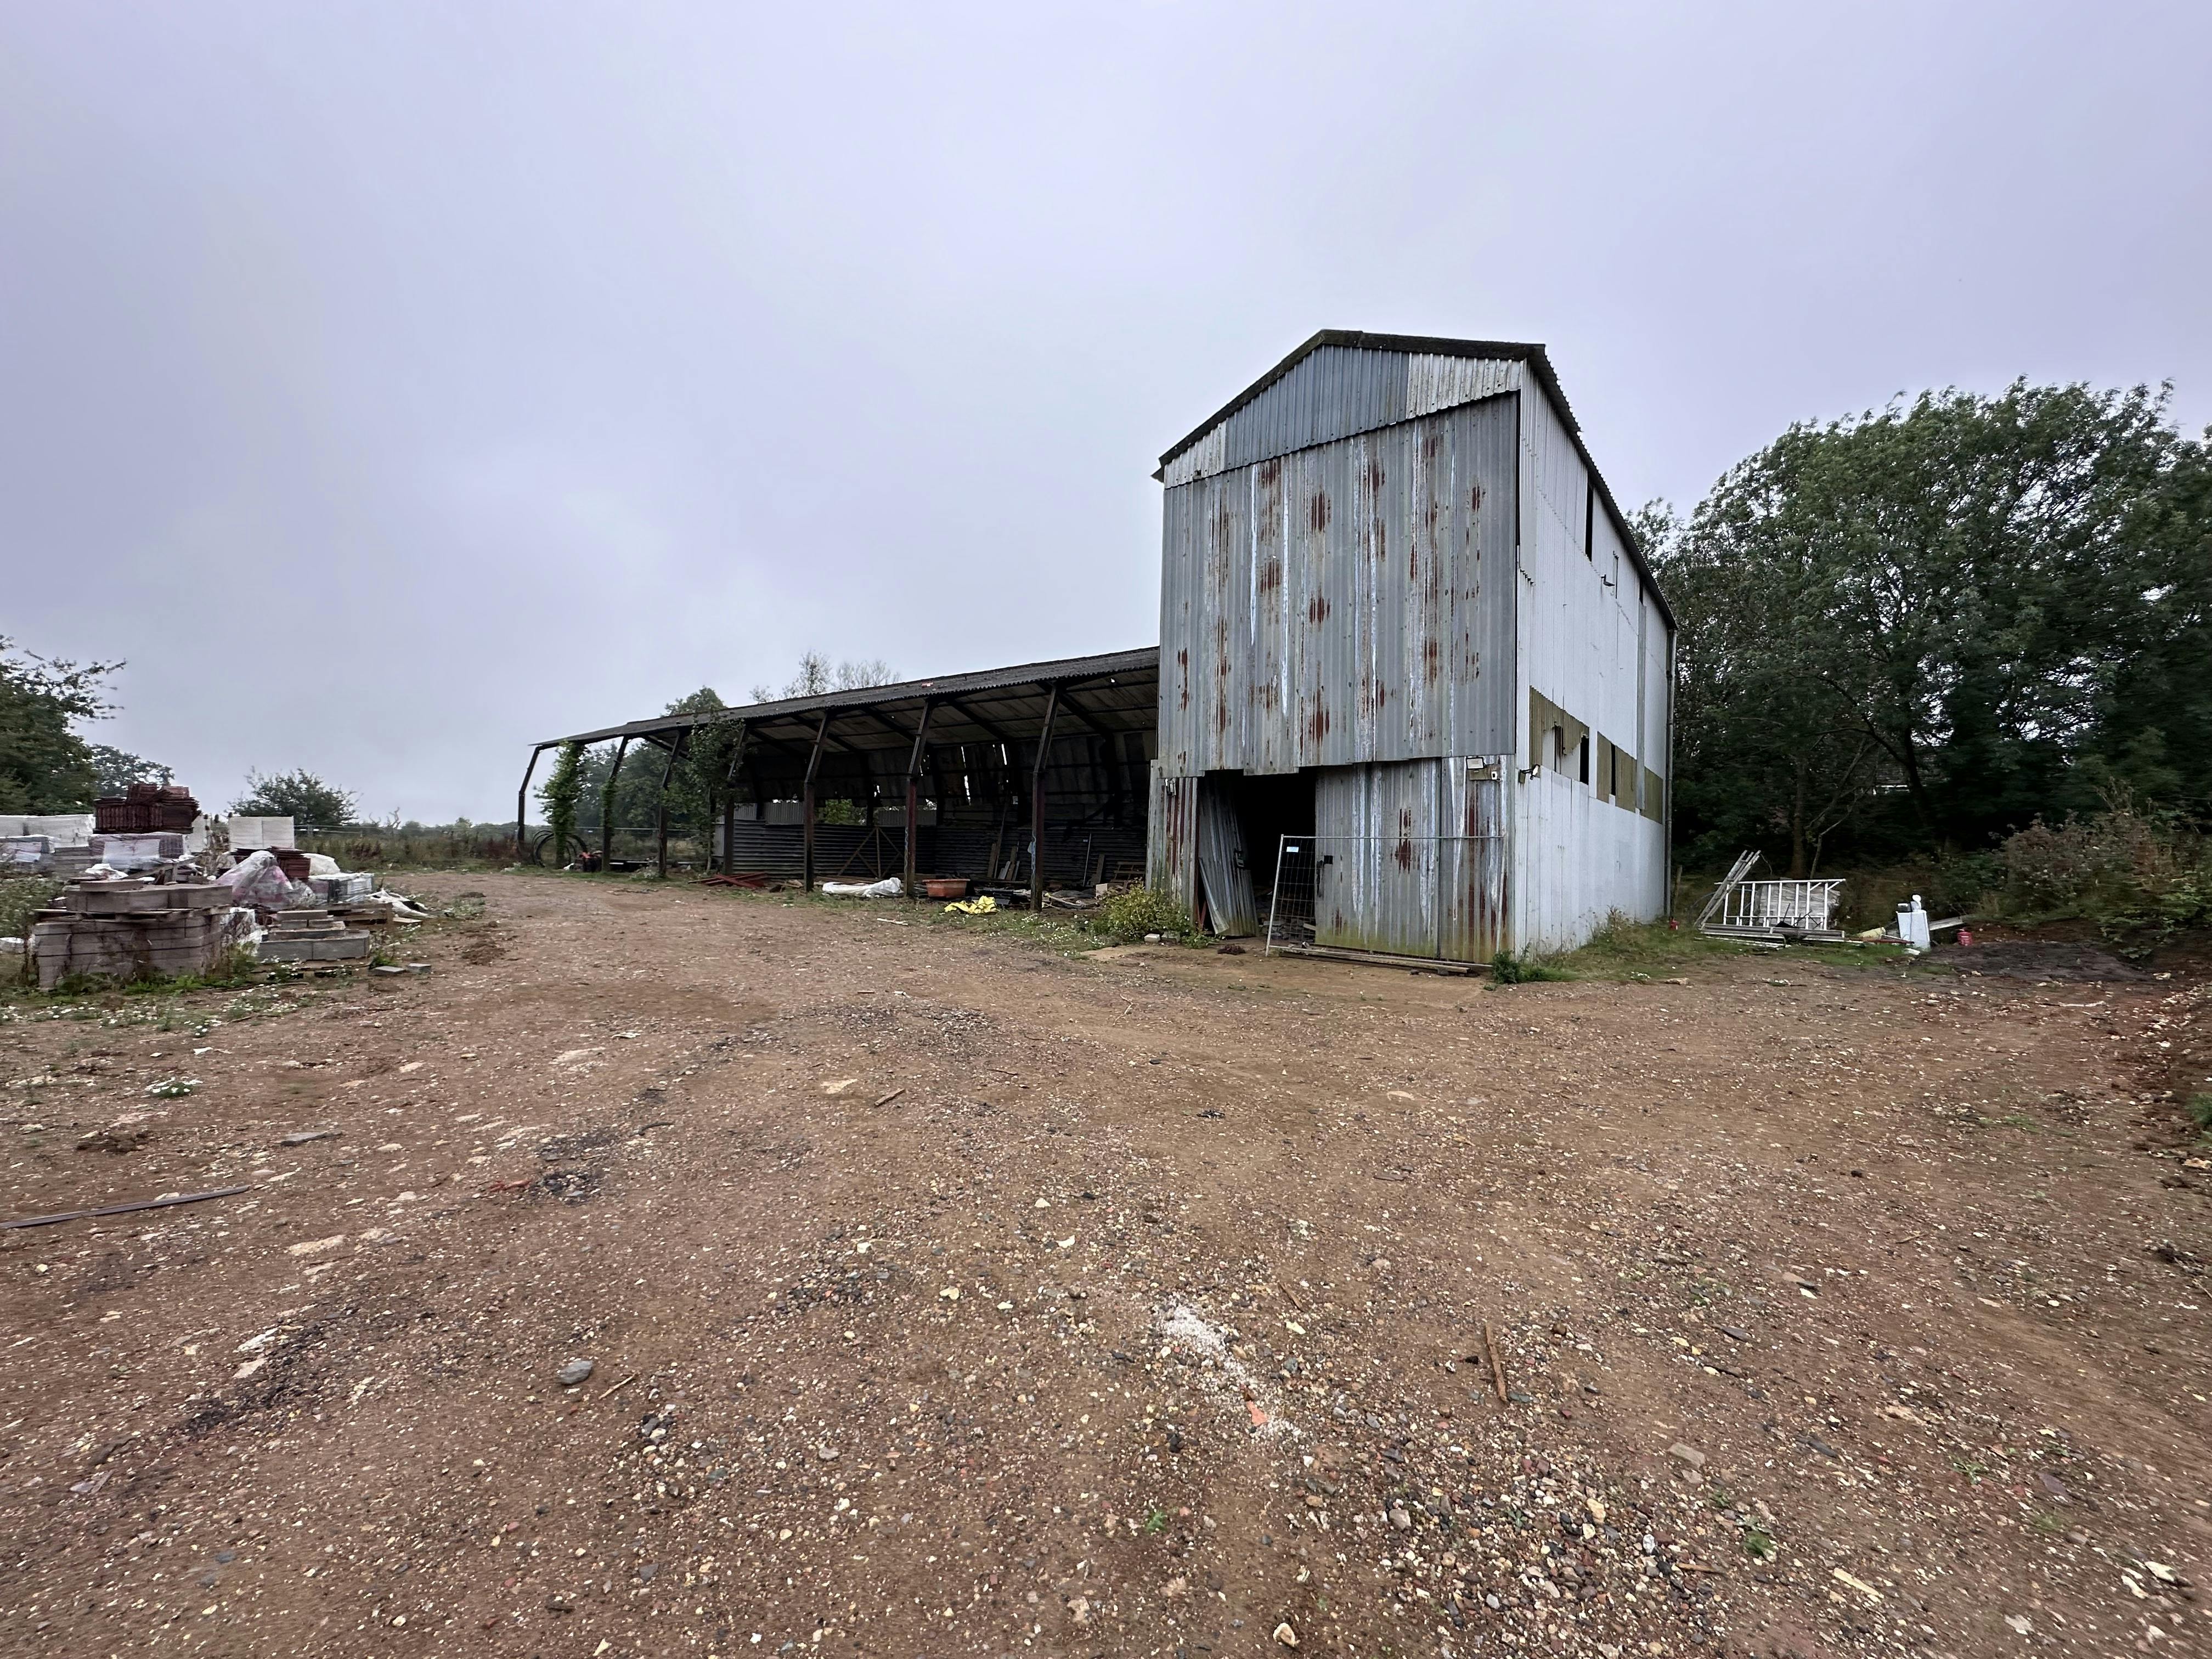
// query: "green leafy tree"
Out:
[562,790]
[299,795]
[44,765]
[1924,625]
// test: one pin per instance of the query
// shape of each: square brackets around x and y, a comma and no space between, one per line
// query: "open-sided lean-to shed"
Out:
[1406,635]
[1035,773]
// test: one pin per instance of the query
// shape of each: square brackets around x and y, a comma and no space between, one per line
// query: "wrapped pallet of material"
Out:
[252,835]
[62,829]
[134,853]
[25,852]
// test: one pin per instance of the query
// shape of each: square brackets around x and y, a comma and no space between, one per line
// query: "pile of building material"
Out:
[311,936]
[132,928]
[46,843]
[146,808]
[138,850]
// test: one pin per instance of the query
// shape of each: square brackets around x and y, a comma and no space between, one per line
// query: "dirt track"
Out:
[948,1297]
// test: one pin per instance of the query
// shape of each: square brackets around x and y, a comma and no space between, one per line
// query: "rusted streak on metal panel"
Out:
[1346,604]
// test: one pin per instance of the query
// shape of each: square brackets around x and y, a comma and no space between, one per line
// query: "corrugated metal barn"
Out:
[1412,695]
[1414,675]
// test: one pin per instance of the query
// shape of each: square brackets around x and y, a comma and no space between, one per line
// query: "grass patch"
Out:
[1623,949]
[1506,969]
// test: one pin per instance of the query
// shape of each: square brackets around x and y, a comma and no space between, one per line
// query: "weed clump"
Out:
[1506,969]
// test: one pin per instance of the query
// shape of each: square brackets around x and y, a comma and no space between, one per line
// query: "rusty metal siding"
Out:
[1171,837]
[1472,876]
[1417,855]
[1350,603]
[1178,587]
[1578,857]
[1379,824]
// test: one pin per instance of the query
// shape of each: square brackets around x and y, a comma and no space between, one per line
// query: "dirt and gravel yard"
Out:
[946,1295]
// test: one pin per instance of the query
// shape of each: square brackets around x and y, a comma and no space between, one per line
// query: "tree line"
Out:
[1917,630]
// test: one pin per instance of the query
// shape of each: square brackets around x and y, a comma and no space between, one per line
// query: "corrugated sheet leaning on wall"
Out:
[1418,858]
[1346,604]
[1171,838]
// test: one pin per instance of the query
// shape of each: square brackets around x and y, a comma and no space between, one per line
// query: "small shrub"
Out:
[1130,916]
[2200,1111]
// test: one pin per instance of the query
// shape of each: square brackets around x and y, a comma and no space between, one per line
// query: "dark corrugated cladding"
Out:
[1348,602]
[1118,689]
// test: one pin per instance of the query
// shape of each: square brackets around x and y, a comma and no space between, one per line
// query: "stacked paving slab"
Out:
[131,929]
[311,936]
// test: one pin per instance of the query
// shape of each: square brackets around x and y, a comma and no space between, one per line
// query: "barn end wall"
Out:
[1594,643]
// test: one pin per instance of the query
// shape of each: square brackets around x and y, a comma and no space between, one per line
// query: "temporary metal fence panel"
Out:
[1392,895]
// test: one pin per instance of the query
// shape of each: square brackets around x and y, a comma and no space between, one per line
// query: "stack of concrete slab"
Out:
[311,936]
[131,929]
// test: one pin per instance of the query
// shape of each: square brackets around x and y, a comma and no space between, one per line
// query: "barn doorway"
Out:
[1271,807]
[1243,820]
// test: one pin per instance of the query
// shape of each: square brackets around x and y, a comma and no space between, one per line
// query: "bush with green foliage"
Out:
[1136,911]
[22,897]
[2142,876]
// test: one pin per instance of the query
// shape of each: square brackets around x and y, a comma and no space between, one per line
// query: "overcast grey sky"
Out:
[396,385]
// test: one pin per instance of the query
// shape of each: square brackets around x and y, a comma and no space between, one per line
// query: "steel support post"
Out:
[607,808]
[913,795]
[522,803]
[806,804]
[1036,799]
[660,807]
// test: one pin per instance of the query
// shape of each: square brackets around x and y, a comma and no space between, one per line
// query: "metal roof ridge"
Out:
[1355,339]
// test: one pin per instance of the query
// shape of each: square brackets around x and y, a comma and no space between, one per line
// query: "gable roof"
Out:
[1388,407]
